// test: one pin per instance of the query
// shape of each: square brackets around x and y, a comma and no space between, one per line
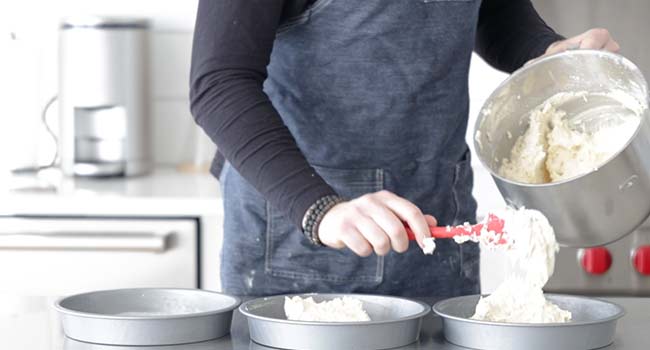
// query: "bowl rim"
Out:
[524,70]
[426,309]
[235,302]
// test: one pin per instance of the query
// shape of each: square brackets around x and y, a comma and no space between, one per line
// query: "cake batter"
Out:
[346,309]
[531,254]
[554,149]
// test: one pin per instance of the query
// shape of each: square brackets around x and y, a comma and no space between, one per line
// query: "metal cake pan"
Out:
[71,344]
[593,326]
[147,316]
[394,322]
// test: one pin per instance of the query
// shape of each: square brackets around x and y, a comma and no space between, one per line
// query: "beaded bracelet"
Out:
[314,216]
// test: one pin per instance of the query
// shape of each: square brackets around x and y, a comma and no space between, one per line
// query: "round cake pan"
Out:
[394,322]
[593,326]
[147,316]
[71,344]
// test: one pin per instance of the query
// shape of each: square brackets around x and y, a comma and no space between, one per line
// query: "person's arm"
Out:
[510,33]
[232,46]
[233,40]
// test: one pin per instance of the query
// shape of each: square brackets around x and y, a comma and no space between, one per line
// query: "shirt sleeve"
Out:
[510,33]
[232,45]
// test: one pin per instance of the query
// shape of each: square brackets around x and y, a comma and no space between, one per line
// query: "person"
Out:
[340,122]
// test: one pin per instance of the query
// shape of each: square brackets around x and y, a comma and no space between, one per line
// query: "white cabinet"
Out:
[62,235]
[59,256]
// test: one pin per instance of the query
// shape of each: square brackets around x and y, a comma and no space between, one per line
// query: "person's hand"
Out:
[374,222]
[597,38]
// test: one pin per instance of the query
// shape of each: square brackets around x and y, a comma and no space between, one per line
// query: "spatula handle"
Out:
[439,232]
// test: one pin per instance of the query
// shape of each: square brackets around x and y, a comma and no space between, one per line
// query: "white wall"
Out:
[626,20]
[483,79]
[28,73]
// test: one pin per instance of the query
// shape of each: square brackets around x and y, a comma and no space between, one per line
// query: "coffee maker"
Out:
[104,96]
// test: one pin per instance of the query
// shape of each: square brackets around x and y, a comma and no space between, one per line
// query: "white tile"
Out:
[170,56]
[176,138]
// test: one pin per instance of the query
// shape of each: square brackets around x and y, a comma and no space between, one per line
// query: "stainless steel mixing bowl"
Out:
[604,204]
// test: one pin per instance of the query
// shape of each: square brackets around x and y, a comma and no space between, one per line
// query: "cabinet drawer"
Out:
[57,256]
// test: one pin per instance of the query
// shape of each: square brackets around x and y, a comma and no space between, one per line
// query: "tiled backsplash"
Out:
[176,139]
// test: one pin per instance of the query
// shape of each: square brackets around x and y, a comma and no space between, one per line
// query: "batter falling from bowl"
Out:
[528,240]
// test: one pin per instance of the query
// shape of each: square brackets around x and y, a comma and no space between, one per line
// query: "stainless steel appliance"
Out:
[104,96]
[619,268]
[595,208]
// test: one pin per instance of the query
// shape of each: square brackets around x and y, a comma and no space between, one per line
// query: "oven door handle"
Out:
[106,241]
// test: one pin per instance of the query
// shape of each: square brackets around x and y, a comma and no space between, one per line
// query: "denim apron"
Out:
[375,93]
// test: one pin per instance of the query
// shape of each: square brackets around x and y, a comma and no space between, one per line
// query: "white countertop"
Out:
[164,192]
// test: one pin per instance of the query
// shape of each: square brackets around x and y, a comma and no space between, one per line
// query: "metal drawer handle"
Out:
[113,241]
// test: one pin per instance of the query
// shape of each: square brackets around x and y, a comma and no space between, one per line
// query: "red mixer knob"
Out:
[596,261]
[641,260]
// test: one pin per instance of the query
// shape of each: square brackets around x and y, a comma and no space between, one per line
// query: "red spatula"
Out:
[494,224]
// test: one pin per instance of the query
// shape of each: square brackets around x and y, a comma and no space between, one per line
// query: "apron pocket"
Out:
[289,254]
